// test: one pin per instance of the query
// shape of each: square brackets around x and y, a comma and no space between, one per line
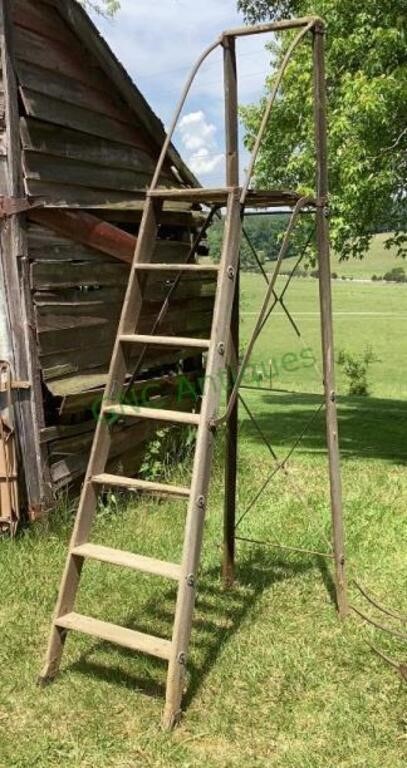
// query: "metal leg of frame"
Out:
[322,228]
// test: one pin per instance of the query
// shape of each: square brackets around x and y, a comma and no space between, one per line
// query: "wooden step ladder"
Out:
[224,338]
[185,573]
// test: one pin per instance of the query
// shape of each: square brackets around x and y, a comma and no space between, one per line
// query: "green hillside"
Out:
[378,261]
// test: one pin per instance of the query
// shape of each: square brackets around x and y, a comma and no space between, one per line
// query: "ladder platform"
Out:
[255,198]
[112,633]
[134,484]
[155,267]
[129,560]
[166,341]
[155,414]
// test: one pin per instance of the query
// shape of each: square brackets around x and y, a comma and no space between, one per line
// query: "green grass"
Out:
[365,315]
[275,679]
[378,261]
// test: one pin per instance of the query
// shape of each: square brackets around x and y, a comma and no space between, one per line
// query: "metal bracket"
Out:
[10,206]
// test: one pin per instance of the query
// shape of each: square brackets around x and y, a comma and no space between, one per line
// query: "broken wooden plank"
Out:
[57,195]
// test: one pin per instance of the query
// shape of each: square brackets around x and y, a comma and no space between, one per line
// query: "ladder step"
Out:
[166,341]
[129,560]
[135,484]
[156,414]
[176,267]
[254,198]
[112,633]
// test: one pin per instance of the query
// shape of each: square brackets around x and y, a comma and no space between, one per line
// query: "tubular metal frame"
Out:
[227,40]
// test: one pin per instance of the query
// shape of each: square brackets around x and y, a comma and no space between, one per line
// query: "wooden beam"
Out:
[88,230]
[29,405]
[231,454]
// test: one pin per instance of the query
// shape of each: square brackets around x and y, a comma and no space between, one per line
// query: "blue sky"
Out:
[158,41]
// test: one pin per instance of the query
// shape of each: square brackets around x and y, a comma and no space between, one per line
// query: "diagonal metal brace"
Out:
[277,299]
[302,202]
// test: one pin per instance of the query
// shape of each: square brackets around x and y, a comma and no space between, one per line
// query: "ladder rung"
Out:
[112,633]
[156,414]
[129,560]
[166,341]
[135,484]
[177,267]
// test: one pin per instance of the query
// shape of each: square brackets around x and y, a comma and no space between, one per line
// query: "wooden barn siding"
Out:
[83,146]
[3,139]
[4,332]
[69,445]
[22,353]
[100,154]
[78,294]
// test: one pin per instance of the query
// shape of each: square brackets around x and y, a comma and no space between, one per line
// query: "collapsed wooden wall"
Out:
[84,147]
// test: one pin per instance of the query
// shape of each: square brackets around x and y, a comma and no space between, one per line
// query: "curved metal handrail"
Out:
[306,23]
[269,107]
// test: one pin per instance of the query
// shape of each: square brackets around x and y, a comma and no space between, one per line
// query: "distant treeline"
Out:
[265,233]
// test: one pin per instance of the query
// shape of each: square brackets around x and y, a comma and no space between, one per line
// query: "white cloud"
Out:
[196,132]
[158,41]
[201,162]
[198,137]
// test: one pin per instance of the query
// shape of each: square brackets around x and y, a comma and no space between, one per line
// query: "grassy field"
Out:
[377,262]
[366,315]
[275,679]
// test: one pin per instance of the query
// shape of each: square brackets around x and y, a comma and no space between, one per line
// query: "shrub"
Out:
[355,369]
[396,275]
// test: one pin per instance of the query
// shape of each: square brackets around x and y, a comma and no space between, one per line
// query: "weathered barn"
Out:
[78,146]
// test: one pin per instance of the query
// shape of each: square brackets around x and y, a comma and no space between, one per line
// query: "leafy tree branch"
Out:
[367,93]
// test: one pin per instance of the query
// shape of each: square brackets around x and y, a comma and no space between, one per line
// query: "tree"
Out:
[265,234]
[367,93]
[104,7]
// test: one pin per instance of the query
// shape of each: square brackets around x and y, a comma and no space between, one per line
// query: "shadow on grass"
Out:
[218,615]
[369,427]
